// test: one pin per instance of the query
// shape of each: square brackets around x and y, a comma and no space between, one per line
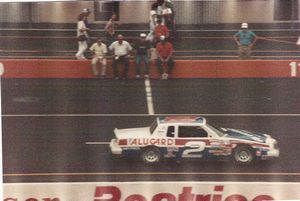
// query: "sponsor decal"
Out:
[185,141]
[123,142]
[151,141]
[258,153]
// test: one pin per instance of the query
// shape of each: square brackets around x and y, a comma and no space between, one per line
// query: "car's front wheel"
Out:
[151,155]
[243,155]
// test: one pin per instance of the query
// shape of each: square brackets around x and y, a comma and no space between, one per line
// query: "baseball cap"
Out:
[85,10]
[244,25]
[142,35]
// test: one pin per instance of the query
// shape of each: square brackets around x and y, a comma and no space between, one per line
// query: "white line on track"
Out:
[149,97]
[147,115]
[97,143]
[154,173]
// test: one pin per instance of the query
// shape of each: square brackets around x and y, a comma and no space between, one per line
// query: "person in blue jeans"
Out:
[142,48]
[245,40]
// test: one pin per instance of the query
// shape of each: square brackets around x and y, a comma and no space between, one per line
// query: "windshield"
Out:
[218,131]
[153,126]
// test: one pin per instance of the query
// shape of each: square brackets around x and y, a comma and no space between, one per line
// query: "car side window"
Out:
[171,131]
[192,132]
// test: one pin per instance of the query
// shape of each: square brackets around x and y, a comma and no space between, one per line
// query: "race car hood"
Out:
[132,132]
[246,135]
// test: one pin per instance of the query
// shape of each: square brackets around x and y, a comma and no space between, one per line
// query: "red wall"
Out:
[37,68]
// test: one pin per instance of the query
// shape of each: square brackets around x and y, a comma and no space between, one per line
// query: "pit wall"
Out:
[44,68]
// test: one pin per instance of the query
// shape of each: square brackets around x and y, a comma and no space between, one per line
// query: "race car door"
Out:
[193,141]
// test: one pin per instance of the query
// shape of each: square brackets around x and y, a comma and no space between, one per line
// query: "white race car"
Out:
[191,137]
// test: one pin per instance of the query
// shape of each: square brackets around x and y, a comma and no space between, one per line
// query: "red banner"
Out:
[152,191]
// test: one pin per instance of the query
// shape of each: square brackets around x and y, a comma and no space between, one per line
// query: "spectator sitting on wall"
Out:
[110,29]
[160,30]
[82,37]
[245,40]
[100,50]
[164,52]
[142,48]
[121,51]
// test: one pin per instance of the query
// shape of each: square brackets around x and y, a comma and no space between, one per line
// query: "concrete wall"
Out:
[14,12]
[60,12]
[250,11]
[188,12]
[135,12]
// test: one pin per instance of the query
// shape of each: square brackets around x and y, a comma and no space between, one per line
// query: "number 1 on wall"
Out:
[294,66]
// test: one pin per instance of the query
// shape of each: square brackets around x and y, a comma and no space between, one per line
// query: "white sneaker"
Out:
[164,76]
[81,58]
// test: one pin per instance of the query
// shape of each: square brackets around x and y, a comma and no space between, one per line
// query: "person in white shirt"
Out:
[160,10]
[86,12]
[82,37]
[100,50]
[153,21]
[121,51]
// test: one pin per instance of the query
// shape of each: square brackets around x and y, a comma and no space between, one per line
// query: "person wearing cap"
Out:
[121,51]
[164,52]
[245,40]
[142,48]
[82,37]
[86,12]
[99,50]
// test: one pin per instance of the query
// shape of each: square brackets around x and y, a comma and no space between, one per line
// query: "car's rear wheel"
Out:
[151,155]
[243,155]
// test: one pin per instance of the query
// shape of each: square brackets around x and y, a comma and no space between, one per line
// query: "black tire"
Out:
[243,155]
[151,155]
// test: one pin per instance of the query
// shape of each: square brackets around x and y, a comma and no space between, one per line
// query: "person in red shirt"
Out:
[164,51]
[160,30]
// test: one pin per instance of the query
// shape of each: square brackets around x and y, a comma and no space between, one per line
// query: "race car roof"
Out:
[182,119]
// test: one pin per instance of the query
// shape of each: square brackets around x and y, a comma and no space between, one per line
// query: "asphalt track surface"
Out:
[57,130]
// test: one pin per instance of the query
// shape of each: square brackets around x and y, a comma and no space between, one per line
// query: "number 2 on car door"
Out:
[193,149]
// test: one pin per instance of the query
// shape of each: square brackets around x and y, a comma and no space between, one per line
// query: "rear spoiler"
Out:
[115,132]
